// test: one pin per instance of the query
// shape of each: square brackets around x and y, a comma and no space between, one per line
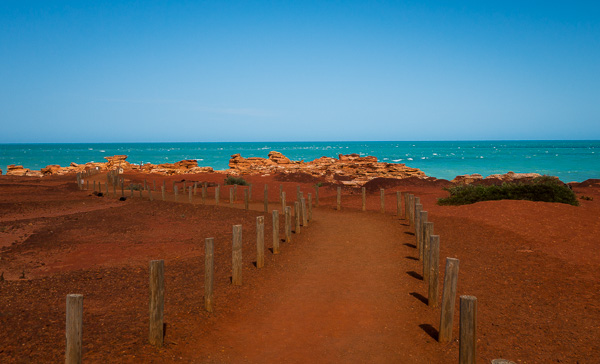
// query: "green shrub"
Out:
[230,180]
[544,188]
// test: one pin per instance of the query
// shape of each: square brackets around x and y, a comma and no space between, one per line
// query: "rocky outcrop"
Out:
[16,170]
[495,178]
[351,169]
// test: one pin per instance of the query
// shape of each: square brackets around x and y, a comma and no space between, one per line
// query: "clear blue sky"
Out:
[102,71]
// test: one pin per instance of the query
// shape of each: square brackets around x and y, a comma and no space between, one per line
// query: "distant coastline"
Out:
[569,160]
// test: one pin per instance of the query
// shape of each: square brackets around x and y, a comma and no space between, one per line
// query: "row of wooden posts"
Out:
[427,246]
[302,216]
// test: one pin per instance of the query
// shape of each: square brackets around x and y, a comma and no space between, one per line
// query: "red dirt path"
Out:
[343,291]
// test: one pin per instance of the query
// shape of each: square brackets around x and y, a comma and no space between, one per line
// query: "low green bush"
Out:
[230,180]
[546,189]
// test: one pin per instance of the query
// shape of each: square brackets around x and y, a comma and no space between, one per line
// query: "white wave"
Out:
[385,159]
[397,160]
[409,159]
[102,151]
[424,158]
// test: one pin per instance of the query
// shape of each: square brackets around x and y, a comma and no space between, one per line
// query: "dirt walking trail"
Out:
[344,297]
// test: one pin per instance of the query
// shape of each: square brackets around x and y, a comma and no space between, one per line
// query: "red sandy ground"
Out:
[346,289]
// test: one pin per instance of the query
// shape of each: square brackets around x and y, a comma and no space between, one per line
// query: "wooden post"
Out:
[339,199]
[309,207]
[364,198]
[424,252]
[94,186]
[288,224]
[209,271]
[141,190]
[145,184]
[184,188]
[416,201]
[250,192]
[176,190]
[204,186]
[236,256]
[162,191]
[421,227]
[235,192]
[398,204]
[131,189]
[157,302]
[297,217]
[304,212]
[280,192]
[87,185]
[231,195]
[317,195]
[275,232]
[74,329]
[217,190]
[260,241]
[246,199]
[434,270]
[266,198]
[407,207]
[382,198]
[467,342]
[448,300]
[417,225]
[154,185]
[283,201]
[190,194]
[195,188]
[150,195]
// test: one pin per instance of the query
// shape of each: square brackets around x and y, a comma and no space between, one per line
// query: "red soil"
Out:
[344,290]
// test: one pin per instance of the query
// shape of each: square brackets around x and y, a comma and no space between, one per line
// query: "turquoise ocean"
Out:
[568,160]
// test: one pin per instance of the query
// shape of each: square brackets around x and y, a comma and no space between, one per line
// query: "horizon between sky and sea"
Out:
[570,160]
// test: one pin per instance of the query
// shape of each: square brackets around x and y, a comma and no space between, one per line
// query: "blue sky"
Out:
[102,71]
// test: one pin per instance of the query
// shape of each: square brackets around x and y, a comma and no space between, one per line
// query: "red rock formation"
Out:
[351,169]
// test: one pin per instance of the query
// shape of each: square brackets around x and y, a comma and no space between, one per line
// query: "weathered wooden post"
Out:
[309,207]
[266,198]
[283,204]
[94,186]
[150,195]
[235,192]
[250,192]
[382,198]
[398,204]
[434,270]
[448,300]
[280,192]
[260,241]
[275,232]
[421,227]
[416,224]
[288,224]
[236,256]
[190,194]
[364,198]
[87,185]
[231,196]
[339,199]
[145,184]
[74,329]
[297,217]
[304,212]
[162,191]
[424,252]
[195,188]
[209,271]
[407,207]
[204,187]
[122,188]
[246,199]
[114,190]
[416,201]
[176,191]
[184,188]
[317,195]
[173,186]
[157,302]
[467,342]
[217,194]
[154,185]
